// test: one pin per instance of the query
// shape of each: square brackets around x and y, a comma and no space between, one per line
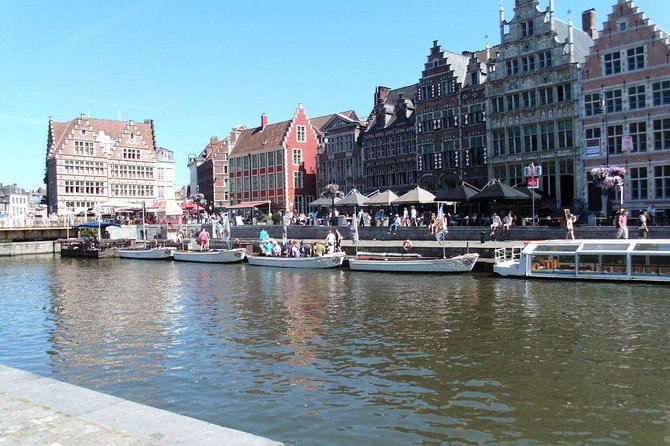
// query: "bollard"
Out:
[482,237]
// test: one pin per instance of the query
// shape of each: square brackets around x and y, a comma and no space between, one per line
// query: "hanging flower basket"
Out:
[606,177]
[332,191]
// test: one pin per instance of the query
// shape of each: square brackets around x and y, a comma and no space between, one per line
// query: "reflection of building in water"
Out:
[108,330]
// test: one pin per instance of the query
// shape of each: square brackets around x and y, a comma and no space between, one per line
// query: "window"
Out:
[564,134]
[498,104]
[427,92]
[262,157]
[662,134]
[546,95]
[301,133]
[297,180]
[638,183]
[612,63]
[254,161]
[161,191]
[297,157]
[474,78]
[529,98]
[280,180]
[547,136]
[499,142]
[661,93]
[514,140]
[448,119]
[476,113]
[614,139]
[271,159]
[279,157]
[446,87]
[662,181]
[593,133]
[426,123]
[563,92]
[636,97]
[638,133]
[160,173]
[512,67]
[513,102]
[271,181]
[544,59]
[528,63]
[613,101]
[592,104]
[635,58]
[131,154]
[526,28]
[530,138]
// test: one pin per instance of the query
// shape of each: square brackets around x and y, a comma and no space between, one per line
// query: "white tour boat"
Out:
[159,253]
[212,256]
[644,260]
[325,261]
[409,263]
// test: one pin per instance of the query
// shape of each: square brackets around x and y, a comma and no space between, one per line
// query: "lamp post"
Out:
[603,108]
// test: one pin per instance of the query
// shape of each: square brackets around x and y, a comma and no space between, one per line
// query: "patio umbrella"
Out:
[495,190]
[353,198]
[459,193]
[417,195]
[385,198]
[323,202]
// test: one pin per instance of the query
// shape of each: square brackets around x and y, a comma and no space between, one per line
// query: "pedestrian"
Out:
[570,220]
[622,224]
[643,229]
[203,237]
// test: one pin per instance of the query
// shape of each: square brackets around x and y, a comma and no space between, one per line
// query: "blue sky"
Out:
[199,68]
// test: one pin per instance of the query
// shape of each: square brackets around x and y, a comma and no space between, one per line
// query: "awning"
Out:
[253,204]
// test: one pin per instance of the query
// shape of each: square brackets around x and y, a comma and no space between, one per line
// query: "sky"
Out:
[200,68]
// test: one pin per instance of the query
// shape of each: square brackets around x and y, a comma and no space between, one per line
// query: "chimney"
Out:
[264,121]
[589,23]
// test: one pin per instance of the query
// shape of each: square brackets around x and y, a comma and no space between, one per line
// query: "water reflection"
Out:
[334,357]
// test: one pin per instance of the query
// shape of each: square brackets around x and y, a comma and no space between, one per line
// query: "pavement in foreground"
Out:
[42,411]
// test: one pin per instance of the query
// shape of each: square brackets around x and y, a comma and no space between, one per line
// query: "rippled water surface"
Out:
[337,357]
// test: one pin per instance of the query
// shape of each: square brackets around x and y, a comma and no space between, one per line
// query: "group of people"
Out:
[621,223]
[271,247]
[505,222]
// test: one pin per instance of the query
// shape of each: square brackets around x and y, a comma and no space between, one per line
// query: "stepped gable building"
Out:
[275,164]
[451,127]
[212,171]
[626,103]
[91,160]
[532,94]
[389,142]
[340,159]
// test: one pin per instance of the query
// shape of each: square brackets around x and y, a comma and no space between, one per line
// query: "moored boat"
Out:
[412,263]
[325,261]
[163,253]
[643,260]
[211,256]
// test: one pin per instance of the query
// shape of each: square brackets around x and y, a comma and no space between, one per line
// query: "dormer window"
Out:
[132,136]
[622,26]
[474,78]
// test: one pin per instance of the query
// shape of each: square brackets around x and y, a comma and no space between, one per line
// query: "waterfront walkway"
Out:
[42,411]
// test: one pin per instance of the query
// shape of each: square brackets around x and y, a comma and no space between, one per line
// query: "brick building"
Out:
[92,160]
[389,141]
[451,127]
[211,171]
[340,159]
[275,163]
[626,106]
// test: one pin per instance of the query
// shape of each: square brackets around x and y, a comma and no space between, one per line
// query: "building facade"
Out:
[389,141]
[340,159]
[275,163]
[92,160]
[532,95]
[451,120]
[165,175]
[626,107]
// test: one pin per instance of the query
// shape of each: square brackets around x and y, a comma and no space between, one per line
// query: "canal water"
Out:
[338,357]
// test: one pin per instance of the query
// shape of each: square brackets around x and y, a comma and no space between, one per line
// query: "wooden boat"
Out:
[325,261]
[212,256]
[403,263]
[160,253]
[611,260]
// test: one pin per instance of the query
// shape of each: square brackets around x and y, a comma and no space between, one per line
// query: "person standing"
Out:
[651,213]
[643,229]
[204,240]
[570,226]
[412,216]
[622,231]
[330,242]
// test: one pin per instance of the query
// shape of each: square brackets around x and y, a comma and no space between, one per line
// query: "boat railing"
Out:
[512,254]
